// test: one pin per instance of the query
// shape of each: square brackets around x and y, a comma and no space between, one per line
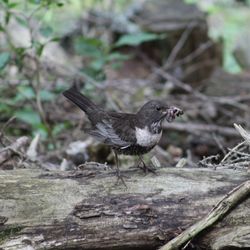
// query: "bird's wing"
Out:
[124,125]
[115,130]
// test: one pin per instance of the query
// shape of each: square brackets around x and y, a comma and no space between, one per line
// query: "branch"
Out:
[179,45]
[243,133]
[232,199]
[200,128]
[13,149]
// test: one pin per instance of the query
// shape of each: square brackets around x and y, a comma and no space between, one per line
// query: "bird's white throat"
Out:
[145,138]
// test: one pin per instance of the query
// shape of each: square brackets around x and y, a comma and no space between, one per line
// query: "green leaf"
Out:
[39,47]
[35,1]
[4,108]
[97,64]
[136,39]
[116,56]
[24,93]
[88,47]
[29,116]
[20,51]
[41,129]
[60,4]
[116,65]
[58,128]
[46,95]
[2,28]
[4,59]
[60,87]
[27,93]
[55,39]
[12,5]
[190,1]
[7,17]
[22,21]
[46,31]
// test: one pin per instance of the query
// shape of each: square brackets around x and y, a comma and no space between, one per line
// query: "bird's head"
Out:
[156,111]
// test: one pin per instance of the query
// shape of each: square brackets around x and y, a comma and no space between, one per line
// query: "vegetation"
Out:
[26,89]
[228,20]
[28,96]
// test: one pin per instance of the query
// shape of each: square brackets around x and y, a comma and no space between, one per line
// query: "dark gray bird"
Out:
[130,134]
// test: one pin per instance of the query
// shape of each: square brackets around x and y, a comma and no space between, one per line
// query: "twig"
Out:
[232,151]
[217,141]
[232,100]
[206,161]
[179,45]
[180,84]
[3,129]
[14,148]
[242,159]
[199,65]
[237,165]
[241,153]
[35,84]
[169,77]
[193,55]
[232,158]
[7,124]
[200,128]
[228,202]
[188,88]
[243,133]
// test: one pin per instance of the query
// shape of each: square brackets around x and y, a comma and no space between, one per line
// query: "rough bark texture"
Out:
[84,210]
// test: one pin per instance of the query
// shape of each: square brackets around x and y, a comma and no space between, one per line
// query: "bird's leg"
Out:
[118,172]
[145,168]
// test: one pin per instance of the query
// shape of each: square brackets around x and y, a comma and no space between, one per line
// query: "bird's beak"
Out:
[164,114]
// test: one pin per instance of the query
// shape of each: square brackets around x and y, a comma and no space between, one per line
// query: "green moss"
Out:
[9,231]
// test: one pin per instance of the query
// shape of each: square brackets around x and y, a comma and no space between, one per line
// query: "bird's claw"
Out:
[147,169]
[120,179]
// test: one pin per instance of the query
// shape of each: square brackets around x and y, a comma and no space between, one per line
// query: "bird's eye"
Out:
[158,108]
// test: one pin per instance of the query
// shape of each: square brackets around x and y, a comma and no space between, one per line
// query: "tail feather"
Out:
[80,100]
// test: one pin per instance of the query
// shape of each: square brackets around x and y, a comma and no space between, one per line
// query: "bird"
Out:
[126,133]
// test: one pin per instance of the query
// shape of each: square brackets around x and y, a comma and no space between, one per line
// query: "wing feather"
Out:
[115,131]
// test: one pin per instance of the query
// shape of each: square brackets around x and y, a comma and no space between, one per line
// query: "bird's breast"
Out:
[146,138]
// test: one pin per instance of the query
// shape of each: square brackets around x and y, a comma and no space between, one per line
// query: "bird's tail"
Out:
[80,100]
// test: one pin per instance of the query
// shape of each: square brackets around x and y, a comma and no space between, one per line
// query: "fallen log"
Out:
[218,212]
[84,210]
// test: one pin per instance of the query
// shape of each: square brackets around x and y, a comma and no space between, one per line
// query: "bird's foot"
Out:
[120,178]
[147,169]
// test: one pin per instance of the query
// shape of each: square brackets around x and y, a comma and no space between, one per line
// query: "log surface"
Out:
[84,210]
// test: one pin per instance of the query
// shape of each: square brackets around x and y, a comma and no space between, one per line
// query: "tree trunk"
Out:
[84,210]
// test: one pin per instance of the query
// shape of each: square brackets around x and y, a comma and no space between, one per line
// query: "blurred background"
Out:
[192,54]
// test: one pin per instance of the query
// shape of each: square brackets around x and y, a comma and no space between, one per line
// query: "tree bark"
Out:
[84,210]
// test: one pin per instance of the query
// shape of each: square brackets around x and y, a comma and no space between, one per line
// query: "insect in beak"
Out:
[172,112]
